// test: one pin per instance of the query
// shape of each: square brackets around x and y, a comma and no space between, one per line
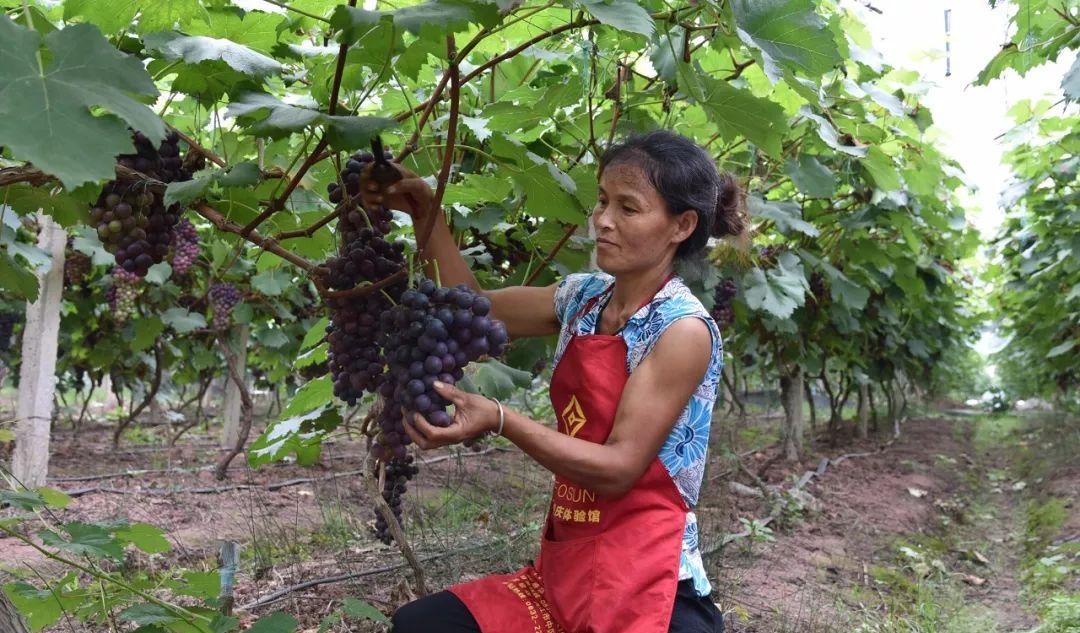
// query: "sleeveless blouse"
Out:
[684,452]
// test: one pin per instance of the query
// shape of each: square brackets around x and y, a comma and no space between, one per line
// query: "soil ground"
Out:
[939,506]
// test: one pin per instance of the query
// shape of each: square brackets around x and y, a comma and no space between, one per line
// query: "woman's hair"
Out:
[686,177]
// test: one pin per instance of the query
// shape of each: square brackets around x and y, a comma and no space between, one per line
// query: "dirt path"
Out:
[933,520]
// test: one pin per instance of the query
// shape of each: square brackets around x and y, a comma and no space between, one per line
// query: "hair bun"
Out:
[729,218]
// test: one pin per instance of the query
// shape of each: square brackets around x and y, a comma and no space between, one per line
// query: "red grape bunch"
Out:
[123,293]
[185,247]
[723,312]
[223,298]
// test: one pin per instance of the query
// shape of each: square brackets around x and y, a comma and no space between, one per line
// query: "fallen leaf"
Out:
[918,493]
[974,580]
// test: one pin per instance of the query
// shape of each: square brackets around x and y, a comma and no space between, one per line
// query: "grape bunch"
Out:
[185,247]
[162,163]
[398,473]
[356,362]
[769,253]
[354,220]
[77,266]
[8,321]
[123,293]
[818,287]
[723,312]
[431,335]
[131,220]
[223,298]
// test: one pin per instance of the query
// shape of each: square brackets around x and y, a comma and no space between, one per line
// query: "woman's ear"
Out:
[686,222]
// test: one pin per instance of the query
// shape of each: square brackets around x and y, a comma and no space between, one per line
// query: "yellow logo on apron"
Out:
[573,417]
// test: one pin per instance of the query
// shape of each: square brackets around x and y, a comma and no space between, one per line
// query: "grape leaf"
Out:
[496,380]
[115,16]
[21,499]
[17,280]
[53,497]
[315,333]
[148,538]
[271,282]
[810,176]
[47,105]
[624,15]
[42,607]
[827,133]
[786,215]
[445,17]
[355,608]
[737,112]
[1070,84]
[183,321]
[193,49]
[148,613]
[265,115]
[91,540]
[882,170]
[777,291]
[255,29]
[147,330]
[1061,349]
[787,32]
[274,623]
[313,395]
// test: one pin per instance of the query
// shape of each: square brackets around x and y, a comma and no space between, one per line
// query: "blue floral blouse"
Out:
[684,451]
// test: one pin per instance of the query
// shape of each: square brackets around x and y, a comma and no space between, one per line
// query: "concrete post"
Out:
[231,408]
[37,375]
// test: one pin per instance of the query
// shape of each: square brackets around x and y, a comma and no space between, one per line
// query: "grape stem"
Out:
[362,291]
[448,151]
[199,149]
[316,154]
[570,230]
[218,220]
[395,529]
[309,231]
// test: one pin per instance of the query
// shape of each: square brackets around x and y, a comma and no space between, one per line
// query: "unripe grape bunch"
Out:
[123,293]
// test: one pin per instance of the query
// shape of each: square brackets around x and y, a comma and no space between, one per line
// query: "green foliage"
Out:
[1037,278]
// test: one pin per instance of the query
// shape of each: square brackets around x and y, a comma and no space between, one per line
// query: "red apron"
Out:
[606,565]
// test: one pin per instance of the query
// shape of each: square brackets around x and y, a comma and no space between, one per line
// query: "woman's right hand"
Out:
[409,194]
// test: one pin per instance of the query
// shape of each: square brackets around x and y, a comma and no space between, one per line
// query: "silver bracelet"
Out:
[502,417]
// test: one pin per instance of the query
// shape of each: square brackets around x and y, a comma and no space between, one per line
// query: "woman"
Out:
[633,387]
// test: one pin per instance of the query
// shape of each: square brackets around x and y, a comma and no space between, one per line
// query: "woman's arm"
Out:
[654,396]
[526,310]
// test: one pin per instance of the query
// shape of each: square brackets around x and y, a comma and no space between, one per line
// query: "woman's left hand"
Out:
[473,415]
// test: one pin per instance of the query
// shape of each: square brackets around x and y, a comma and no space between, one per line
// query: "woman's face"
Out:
[634,230]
